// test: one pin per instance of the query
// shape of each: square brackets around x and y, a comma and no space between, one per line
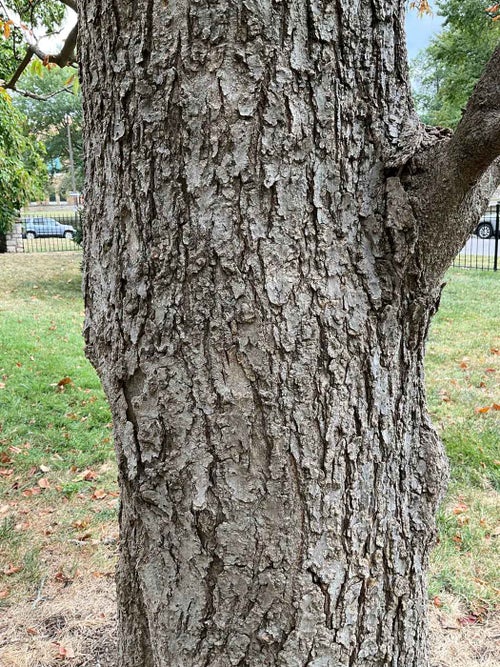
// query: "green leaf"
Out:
[36,67]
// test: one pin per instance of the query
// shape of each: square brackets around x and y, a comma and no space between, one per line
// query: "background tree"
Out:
[48,113]
[23,174]
[449,68]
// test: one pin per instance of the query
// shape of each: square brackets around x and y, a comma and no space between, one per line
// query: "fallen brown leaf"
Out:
[65,652]
[470,619]
[445,396]
[24,525]
[35,491]
[84,537]
[460,508]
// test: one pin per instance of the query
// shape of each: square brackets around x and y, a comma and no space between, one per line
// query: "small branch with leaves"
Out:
[42,98]
[65,57]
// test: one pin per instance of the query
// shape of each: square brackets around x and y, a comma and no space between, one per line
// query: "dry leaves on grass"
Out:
[11,569]
[486,408]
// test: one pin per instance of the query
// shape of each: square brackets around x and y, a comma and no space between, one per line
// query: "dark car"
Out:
[487,225]
[38,227]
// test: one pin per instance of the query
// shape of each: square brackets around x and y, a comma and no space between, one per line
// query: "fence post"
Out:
[497,229]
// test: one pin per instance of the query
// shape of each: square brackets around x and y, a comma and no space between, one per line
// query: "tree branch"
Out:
[41,98]
[21,67]
[450,180]
[476,142]
[63,58]
[66,55]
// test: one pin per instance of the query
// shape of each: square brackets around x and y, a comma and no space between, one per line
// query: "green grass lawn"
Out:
[57,474]
[463,371]
[41,321]
[56,455]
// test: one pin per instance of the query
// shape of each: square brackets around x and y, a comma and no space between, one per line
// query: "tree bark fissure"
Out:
[257,307]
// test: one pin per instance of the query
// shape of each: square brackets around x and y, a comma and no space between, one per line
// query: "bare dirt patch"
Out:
[464,645]
[72,625]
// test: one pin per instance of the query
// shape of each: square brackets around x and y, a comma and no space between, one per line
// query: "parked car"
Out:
[487,225]
[38,227]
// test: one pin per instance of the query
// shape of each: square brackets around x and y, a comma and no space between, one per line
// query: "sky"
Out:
[54,43]
[419,30]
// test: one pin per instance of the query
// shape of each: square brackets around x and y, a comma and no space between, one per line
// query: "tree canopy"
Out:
[48,117]
[449,68]
[48,92]
[23,173]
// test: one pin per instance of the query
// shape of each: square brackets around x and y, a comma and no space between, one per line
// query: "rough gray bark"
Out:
[258,298]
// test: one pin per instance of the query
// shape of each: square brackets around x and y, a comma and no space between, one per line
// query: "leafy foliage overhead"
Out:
[47,14]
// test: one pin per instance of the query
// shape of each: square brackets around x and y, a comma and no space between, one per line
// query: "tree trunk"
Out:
[258,300]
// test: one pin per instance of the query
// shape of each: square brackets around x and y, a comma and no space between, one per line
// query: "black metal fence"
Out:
[482,248]
[52,232]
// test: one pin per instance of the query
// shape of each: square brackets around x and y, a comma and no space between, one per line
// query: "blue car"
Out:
[42,227]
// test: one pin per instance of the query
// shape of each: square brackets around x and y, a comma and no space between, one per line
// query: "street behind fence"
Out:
[481,250]
[52,232]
